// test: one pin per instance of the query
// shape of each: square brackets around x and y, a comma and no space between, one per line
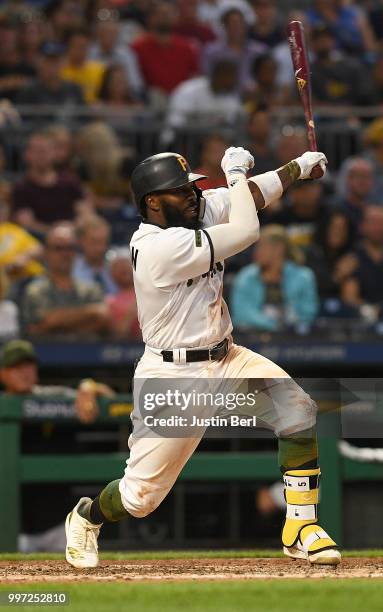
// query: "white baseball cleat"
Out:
[324,557]
[81,539]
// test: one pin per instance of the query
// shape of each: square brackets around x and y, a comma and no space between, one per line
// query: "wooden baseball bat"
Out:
[300,59]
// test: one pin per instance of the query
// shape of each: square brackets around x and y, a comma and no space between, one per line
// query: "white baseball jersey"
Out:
[179,284]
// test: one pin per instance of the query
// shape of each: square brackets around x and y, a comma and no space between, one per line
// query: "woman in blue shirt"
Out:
[274,292]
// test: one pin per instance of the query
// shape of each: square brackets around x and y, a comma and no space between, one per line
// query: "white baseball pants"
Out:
[155,462]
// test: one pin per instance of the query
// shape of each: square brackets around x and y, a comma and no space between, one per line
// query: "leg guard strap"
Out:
[314,539]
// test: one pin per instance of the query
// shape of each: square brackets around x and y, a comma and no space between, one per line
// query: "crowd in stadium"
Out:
[74,76]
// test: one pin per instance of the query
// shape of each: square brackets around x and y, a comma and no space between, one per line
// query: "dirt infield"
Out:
[185,569]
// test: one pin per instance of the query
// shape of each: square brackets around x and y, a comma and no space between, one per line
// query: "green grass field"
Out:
[260,595]
[325,595]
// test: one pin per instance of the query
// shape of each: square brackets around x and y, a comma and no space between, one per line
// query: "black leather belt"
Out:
[216,353]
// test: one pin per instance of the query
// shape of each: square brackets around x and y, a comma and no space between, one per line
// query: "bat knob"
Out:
[316,172]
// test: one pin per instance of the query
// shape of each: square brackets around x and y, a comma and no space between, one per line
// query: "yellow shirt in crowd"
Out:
[88,77]
[15,241]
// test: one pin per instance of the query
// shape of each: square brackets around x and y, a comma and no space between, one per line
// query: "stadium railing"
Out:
[339,129]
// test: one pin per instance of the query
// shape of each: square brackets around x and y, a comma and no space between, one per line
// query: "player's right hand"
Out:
[308,161]
[237,160]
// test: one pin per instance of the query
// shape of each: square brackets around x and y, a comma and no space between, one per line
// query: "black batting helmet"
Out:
[160,172]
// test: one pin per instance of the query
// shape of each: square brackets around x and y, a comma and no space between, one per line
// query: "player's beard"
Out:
[176,218]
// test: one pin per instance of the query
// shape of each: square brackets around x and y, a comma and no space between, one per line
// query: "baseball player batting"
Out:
[178,256]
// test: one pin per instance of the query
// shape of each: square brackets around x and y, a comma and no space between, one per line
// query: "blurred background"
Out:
[89,88]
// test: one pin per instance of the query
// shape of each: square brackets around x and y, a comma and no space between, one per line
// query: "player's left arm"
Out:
[268,187]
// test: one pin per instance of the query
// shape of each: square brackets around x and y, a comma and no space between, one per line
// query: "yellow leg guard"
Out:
[302,537]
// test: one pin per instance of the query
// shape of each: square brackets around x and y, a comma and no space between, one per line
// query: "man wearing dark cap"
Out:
[49,88]
[19,376]
[18,364]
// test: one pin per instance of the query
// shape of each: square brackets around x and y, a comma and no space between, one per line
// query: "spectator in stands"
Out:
[212,99]
[235,46]
[102,158]
[122,305]
[57,303]
[358,175]
[166,59]
[336,79]
[274,292]
[15,72]
[116,93]
[330,257]
[90,265]
[20,253]
[116,207]
[213,149]
[189,25]
[366,284]
[259,133]
[209,11]
[348,24]
[373,138]
[80,70]
[108,50]
[49,88]
[242,5]
[132,14]
[31,36]
[302,211]
[267,28]
[264,89]
[106,167]
[43,196]
[63,146]
[18,369]
[9,313]
[64,16]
